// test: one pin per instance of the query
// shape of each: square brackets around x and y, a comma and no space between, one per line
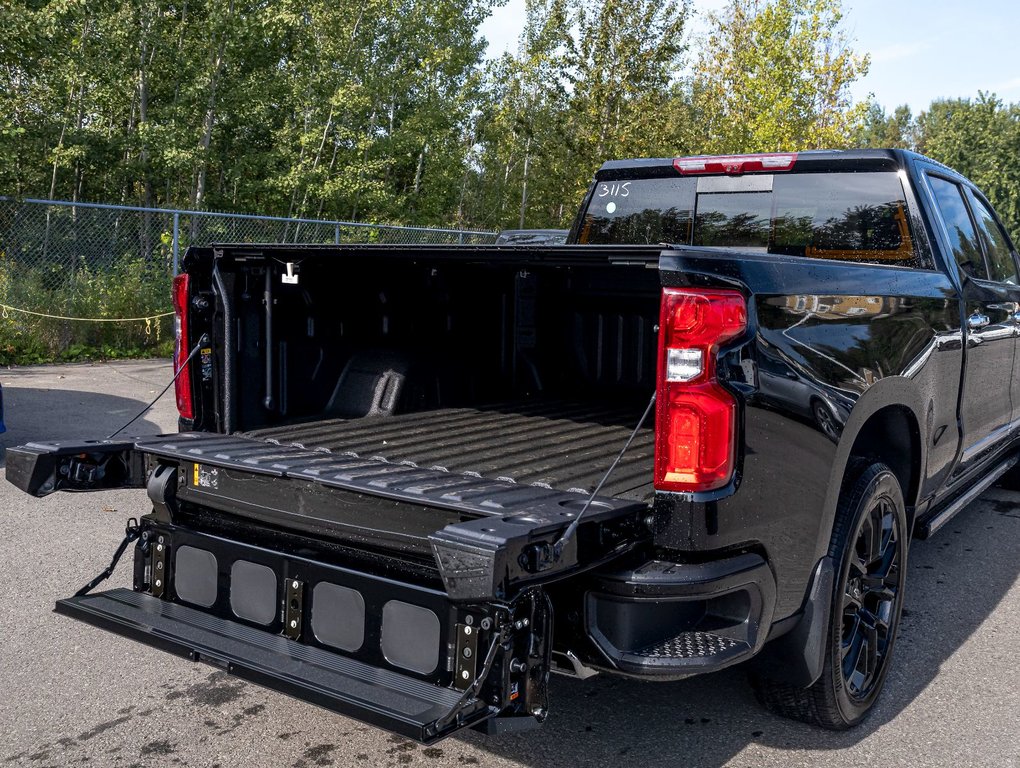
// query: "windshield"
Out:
[847,216]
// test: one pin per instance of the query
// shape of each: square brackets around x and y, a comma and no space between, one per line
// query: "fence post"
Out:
[177,241]
[336,235]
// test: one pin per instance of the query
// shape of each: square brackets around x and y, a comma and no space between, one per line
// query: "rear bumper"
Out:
[669,620]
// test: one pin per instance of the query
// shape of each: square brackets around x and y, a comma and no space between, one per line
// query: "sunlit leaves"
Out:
[775,76]
[382,110]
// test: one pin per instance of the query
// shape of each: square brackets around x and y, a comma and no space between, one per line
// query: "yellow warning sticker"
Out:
[205,477]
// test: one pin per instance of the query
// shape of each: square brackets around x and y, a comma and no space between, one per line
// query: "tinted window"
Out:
[847,216]
[532,237]
[853,216]
[997,248]
[734,220]
[640,211]
[963,238]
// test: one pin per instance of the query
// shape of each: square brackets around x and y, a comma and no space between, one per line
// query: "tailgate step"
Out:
[376,696]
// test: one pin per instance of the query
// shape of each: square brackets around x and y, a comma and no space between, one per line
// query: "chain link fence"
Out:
[91,280]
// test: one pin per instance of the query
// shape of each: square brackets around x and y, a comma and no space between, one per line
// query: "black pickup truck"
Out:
[413,481]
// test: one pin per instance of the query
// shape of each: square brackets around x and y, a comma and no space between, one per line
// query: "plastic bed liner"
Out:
[551,444]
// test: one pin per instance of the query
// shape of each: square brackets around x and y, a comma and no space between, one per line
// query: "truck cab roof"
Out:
[814,160]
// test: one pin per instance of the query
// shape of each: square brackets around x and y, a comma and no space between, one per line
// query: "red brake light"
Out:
[182,386]
[735,164]
[695,417]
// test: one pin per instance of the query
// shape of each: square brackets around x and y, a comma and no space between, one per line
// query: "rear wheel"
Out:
[869,543]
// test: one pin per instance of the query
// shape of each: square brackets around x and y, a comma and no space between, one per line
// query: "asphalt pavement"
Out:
[74,695]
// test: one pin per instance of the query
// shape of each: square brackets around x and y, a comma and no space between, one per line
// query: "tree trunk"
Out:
[210,115]
[524,185]
[144,234]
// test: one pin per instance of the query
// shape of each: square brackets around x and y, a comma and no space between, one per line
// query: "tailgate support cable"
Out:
[130,534]
[202,342]
[568,534]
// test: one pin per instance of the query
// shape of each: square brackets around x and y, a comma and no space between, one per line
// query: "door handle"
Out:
[977,321]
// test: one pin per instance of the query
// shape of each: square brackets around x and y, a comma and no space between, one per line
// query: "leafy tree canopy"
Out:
[388,111]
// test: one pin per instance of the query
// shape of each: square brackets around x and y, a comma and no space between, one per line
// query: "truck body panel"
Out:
[452,447]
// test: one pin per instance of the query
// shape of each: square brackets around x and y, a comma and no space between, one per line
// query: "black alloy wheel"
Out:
[872,588]
[869,549]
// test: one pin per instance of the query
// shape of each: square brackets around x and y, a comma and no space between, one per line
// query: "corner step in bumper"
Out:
[380,697]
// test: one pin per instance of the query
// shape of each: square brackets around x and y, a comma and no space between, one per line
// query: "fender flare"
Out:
[797,657]
[892,391]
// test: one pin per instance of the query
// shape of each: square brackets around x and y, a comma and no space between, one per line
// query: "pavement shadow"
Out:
[48,414]
[955,582]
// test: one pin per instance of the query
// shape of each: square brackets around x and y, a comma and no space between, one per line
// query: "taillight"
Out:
[735,164]
[182,386]
[695,417]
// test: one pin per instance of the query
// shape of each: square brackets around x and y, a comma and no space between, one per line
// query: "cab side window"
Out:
[1000,254]
[963,237]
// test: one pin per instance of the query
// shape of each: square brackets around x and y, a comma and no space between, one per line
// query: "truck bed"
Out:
[549,443]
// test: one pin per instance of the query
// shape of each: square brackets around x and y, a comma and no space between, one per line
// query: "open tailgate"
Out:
[467,646]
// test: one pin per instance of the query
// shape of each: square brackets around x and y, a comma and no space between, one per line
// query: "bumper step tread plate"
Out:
[691,645]
[380,697]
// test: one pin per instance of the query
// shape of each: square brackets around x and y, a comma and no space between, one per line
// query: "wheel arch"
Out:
[884,427]
[892,436]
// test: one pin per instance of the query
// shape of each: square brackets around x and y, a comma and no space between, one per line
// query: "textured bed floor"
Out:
[556,444]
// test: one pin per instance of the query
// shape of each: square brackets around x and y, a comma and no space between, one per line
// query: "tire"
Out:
[869,542]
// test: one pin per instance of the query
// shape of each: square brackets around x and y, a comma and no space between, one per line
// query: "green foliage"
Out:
[590,81]
[979,137]
[130,288]
[879,130]
[775,76]
[313,108]
[383,111]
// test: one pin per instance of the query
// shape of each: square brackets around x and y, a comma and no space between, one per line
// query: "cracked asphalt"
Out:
[74,695]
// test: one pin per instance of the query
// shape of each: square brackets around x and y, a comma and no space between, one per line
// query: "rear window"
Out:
[640,211]
[845,216]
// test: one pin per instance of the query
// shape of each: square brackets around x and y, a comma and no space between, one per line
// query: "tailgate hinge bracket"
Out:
[293,611]
[159,553]
[466,660]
